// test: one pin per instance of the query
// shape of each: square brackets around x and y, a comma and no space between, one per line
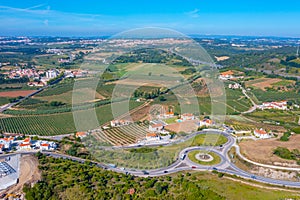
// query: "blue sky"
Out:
[97,17]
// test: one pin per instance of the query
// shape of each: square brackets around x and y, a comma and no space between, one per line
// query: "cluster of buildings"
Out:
[234,86]
[229,75]
[28,72]
[280,105]
[7,144]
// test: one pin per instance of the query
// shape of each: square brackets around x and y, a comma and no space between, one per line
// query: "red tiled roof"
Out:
[27,140]
[45,145]
[151,135]
[261,132]
[24,145]
[80,134]
[227,73]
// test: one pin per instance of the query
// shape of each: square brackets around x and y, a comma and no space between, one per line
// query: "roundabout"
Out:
[204,157]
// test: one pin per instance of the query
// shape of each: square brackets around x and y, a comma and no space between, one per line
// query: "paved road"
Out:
[225,166]
[8,106]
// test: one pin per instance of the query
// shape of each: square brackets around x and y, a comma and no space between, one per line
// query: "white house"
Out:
[187,116]
[24,146]
[152,137]
[226,75]
[234,86]
[45,146]
[166,115]
[260,133]
[116,123]
[206,122]
[156,127]
[281,105]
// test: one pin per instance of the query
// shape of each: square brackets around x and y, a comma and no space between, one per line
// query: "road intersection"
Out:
[225,165]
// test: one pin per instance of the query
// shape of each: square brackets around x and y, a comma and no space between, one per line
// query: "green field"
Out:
[192,157]
[4,100]
[209,140]
[267,96]
[54,124]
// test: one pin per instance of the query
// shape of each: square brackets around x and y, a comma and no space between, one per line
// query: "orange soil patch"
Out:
[186,126]
[262,150]
[263,82]
[16,93]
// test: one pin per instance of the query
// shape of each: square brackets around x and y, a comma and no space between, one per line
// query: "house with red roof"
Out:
[226,75]
[187,116]
[152,137]
[260,133]
[156,127]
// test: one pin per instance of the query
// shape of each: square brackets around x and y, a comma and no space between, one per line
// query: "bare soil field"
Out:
[262,83]
[16,93]
[186,126]
[262,151]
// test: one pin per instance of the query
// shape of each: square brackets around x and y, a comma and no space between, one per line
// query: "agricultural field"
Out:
[16,93]
[283,117]
[4,100]
[268,96]
[262,83]
[121,136]
[53,124]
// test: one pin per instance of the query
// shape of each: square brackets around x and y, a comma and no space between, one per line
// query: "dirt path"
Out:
[29,173]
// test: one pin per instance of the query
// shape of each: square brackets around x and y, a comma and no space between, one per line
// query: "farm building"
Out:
[260,133]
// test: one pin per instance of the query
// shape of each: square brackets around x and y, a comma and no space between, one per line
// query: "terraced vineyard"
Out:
[120,136]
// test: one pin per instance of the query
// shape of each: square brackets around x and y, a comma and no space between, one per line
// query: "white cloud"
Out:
[194,13]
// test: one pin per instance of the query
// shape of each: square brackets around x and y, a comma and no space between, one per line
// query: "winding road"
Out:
[225,165]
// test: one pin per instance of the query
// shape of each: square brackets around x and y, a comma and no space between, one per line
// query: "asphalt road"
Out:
[225,166]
